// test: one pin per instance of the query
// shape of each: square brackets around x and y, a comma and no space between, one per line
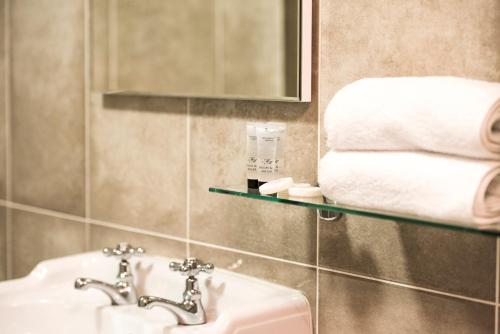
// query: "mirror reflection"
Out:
[207,48]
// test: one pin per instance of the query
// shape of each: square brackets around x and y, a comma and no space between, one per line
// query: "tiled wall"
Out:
[79,171]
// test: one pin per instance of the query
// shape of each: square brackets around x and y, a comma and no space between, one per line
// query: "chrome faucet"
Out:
[190,311]
[122,292]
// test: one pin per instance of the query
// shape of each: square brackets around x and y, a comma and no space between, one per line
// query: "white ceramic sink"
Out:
[45,302]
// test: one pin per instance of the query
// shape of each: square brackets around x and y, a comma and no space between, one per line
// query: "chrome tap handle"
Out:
[123,291]
[191,267]
[124,251]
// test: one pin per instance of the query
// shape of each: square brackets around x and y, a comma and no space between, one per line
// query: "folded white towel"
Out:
[438,114]
[418,184]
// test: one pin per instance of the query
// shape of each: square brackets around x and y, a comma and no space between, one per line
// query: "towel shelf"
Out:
[337,209]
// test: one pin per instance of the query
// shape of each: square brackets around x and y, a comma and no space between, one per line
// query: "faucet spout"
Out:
[120,294]
[189,312]
[123,291]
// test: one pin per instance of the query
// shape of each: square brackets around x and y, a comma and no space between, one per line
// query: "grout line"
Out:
[8,145]
[199,243]
[135,230]
[86,106]
[9,258]
[195,242]
[69,217]
[262,256]
[40,211]
[188,177]
[408,286]
[497,273]
[318,100]
[7,102]
[315,43]
[316,315]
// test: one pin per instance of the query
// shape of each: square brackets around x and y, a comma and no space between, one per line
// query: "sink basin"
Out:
[46,302]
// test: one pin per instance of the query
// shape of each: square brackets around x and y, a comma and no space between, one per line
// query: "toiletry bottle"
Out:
[271,139]
[251,150]
[266,153]
[279,161]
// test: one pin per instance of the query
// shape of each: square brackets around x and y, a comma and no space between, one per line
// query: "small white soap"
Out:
[301,185]
[275,186]
[304,192]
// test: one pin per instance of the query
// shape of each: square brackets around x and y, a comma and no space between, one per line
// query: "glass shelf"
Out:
[321,204]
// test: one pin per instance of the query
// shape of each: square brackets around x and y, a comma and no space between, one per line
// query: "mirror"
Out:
[258,49]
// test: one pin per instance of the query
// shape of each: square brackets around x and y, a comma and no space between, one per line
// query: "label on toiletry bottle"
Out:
[266,159]
[279,161]
[267,149]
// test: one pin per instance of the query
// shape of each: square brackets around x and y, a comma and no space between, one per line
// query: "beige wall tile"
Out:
[218,157]
[3,244]
[293,276]
[36,238]
[254,226]
[101,237]
[351,305]
[445,260]
[47,104]
[138,162]
[370,38]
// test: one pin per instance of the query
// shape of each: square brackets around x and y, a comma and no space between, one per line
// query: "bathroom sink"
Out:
[45,301]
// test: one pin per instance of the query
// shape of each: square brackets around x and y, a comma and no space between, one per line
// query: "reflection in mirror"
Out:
[208,48]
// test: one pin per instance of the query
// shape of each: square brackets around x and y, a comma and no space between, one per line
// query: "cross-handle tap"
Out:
[190,311]
[123,250]
[122,292]
[191,267]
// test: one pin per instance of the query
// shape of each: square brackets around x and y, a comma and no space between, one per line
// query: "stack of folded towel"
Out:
[426,146]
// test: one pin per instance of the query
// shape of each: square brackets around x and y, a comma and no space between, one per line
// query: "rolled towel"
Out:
[438,114]
[423,184]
